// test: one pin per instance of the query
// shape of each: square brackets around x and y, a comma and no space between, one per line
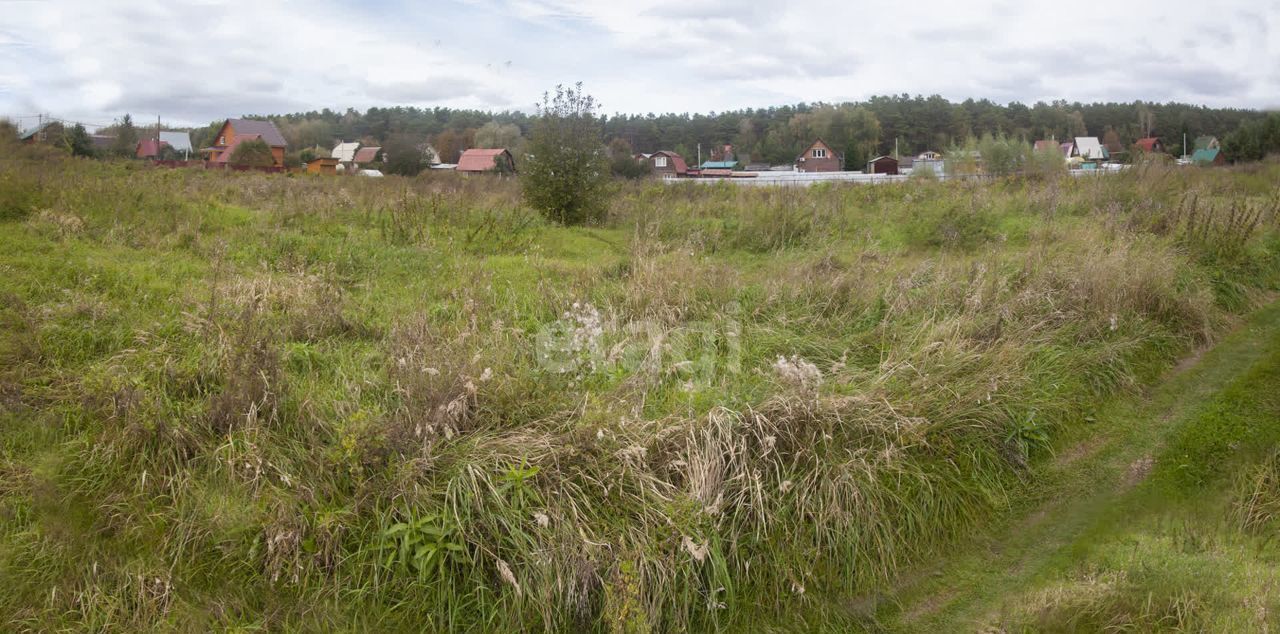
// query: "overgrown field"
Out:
[263,402]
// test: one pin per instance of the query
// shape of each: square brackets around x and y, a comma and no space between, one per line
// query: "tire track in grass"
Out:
[1075,493]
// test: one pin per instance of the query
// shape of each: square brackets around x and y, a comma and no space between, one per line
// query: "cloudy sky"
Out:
[192,62]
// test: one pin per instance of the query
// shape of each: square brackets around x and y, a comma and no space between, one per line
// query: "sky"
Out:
[194,62]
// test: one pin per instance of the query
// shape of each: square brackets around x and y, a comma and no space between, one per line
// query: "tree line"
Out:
[775,135]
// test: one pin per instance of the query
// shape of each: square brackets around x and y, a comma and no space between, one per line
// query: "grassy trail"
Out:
[1098,491]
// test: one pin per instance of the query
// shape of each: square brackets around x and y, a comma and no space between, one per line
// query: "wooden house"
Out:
[324,165]
[883,165]
[667,163]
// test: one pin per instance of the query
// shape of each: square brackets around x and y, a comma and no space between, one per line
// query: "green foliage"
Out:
[78,143]
[321,400]
[622,161]
[425,546]
[496,135]
[566,174]
[126,143]
[1254,140]
[403,155]
[252,153]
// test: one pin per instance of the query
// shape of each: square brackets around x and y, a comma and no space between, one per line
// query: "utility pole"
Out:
[699,155]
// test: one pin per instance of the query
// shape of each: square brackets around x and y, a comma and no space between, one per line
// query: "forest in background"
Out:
[777,134]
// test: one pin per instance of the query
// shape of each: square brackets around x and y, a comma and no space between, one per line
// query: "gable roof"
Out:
[479,160]
[265,130]
[147,148]
[1205,155]
[1090,147]
[1147,144]
[367,154]
[1206,142]
[816,143]
[719,165]
[32,132]
[677,161]
[345,152]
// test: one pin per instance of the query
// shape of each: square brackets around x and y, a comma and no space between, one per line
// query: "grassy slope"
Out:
[223,396]
[1136,525]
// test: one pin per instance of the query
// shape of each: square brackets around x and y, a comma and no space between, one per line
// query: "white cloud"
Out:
[194,62]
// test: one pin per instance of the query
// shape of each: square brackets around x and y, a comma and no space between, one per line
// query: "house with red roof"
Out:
[477,160]
[366,155]
[237,131]
[1149,144]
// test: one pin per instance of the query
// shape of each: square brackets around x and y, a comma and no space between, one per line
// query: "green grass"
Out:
[239,401]
[1163,521]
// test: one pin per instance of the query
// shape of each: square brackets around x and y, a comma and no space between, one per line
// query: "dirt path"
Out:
[1083,491]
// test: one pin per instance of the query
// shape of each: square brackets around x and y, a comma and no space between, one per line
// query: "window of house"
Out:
[819,152]
[222,140]
[659,161]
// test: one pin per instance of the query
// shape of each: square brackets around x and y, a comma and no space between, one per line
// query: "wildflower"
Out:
[798,372]
[542,520]
[505,571]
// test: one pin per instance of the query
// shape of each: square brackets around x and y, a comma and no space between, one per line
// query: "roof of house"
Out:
[812,145]
[677,161]
[1147,144]
[27,134]
[1205,155]
[180,141]
[225,156]
[719,165]
[345,152]
[367,154]
[906,161]
[101,141]
[1206,142]
[1090,147]
[716,171]
[265,130]
[881,158]
[479,160]
[148,147]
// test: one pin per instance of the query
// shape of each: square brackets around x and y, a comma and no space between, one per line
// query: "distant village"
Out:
[819,161]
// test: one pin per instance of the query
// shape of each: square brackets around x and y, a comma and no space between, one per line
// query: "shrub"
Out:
[567,174]
[253,153]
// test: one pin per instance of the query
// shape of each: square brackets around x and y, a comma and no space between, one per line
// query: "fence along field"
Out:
[252,401]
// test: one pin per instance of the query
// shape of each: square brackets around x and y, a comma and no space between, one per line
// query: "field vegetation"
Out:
[249,401]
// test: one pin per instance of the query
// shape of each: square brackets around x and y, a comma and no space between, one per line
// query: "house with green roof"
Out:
[1207,156]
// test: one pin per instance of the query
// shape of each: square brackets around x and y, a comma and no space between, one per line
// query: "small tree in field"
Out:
[566,176]
[254,153]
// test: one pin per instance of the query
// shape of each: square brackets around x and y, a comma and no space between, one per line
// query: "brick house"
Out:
[819,157]
[237,131]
